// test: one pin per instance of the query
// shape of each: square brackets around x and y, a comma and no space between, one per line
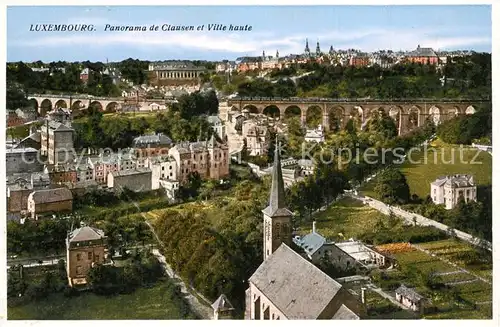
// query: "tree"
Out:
[391,187]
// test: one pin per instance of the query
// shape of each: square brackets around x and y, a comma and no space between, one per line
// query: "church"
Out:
[287,286]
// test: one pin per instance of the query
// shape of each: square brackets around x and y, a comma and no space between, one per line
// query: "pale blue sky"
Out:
[273,28]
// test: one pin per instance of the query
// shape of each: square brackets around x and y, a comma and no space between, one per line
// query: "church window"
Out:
[78,256]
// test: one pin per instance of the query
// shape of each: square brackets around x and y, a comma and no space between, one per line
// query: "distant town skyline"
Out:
[367,28]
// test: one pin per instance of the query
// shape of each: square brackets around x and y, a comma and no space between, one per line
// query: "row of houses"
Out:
[350,57]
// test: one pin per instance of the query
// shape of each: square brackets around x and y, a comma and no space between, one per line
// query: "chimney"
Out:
[363,290]
[314,226]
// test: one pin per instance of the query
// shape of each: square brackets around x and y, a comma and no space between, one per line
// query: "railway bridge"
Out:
[46,102]
[407,113]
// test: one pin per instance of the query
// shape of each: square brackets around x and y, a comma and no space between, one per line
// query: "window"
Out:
[162,168]
[435,191]
[89,256]
[170,174]
[96,258]
[78,256]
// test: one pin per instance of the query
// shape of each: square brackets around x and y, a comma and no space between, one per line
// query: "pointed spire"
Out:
[318,50]
[277,54]
[277,197]
[306,50]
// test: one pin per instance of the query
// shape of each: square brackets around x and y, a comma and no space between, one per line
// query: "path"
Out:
[448,273]
[412,218]
[202,310]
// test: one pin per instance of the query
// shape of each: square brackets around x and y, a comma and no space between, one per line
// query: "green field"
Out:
[344,219]
[144,303]
[440,161]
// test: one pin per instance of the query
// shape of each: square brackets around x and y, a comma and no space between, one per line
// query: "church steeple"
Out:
[318,50]
[277,197]
[306,50]
[277,54]
[277,218]
[331,50]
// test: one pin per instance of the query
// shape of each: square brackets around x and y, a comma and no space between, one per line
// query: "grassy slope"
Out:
[145,303]
[347,216]
[420,174]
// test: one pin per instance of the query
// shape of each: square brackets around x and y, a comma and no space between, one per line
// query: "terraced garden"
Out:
[465,297]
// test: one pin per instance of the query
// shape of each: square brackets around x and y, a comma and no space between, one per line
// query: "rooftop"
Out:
[85,233]
[51,195]
[294,285]
[409,293]
[131,172]
[155,139]
[455,181]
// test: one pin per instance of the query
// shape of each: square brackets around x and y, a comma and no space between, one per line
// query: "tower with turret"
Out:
[277,217]
[318,49]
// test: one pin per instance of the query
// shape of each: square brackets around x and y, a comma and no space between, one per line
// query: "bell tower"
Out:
[277,218]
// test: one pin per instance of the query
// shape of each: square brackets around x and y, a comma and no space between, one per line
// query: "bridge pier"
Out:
[326,122]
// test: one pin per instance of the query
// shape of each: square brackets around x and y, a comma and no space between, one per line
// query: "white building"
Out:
[343,255]
[315,135]
[448,189]
[162,168]
[257,137]
[218,126]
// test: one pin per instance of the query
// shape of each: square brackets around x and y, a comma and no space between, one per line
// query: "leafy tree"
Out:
[391,187]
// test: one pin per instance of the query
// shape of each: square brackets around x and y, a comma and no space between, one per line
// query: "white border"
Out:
[496,169]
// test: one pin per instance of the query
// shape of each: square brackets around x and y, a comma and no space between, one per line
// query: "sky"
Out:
[281,28]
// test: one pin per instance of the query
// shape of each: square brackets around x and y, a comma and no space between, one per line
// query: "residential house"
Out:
[136,180]
[315,135]
[57,142]
[410,298]
[218,126]
[449,189]
[22,160]
[210,159]
[256,134]
[151,145]
[85,247]
[50,201]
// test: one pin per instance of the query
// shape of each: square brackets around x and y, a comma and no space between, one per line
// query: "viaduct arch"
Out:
[335,113]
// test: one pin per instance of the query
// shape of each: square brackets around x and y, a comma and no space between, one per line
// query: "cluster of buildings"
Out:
[350,57]
[20,116]
[111,72]
[42,167]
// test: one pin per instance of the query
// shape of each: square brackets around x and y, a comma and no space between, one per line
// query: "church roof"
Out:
[277,205]
[295,286]
[344,313]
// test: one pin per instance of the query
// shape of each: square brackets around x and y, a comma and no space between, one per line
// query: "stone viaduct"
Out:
[47,102]
[407,113]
